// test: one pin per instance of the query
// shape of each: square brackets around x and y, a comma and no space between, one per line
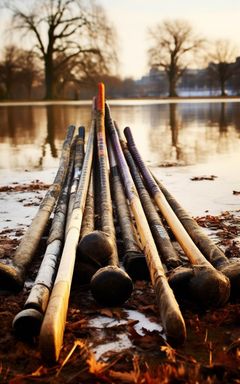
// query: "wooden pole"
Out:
[208,279]
[172,320]
[213,253]
[95,247]
[134,260]
[110,285]
[166,251]
[12,276]
[78,162]
[27,322]
[52,330]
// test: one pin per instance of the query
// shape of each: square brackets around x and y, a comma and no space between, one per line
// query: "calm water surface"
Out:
[186,133]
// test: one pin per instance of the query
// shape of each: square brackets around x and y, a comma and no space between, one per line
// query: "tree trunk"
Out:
[172,87]
[49,77]
[222,85]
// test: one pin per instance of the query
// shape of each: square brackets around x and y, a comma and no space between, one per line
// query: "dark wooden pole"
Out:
[207,278]
[166,251]
[110,285]
[134,260]
[95,246]
[172,320]
[206,245]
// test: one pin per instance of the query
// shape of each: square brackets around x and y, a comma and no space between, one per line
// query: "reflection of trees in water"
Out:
[174,123]
[164,138]
[223,122]
[193,132]
[52,123]
[17,124]
[235,111]
[186,132]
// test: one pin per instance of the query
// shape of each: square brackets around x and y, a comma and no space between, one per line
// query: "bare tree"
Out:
[173,46]
[8,70]
[18,72]
[64,33]
[29,73]
[222,55]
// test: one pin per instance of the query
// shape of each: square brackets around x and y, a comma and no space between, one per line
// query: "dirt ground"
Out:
[211,353]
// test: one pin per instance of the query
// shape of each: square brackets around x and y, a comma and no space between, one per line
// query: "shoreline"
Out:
[127,101]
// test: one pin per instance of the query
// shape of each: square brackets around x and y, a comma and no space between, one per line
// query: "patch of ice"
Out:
[122,343]
[143,322]
[105,322]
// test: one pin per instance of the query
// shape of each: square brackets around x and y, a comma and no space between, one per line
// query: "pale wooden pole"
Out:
[78,162]
[27,322]
[52,330]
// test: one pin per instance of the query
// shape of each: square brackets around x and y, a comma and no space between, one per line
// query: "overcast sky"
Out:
[215,19]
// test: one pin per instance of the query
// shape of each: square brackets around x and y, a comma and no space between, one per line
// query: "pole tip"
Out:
[101,97]
[111,286]
[27,323]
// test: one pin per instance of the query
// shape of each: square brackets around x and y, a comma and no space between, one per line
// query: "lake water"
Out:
[185,133]
[203,137]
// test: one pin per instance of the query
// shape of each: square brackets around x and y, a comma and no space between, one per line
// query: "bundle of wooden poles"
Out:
[110,173]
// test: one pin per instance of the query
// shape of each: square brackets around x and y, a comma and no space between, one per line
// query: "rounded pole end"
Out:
[111,286]
[232,271]
[96,246]
[201,284]
[209,286]
[27,323]
[11,278]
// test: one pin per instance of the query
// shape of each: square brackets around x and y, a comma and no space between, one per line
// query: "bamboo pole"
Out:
[206,277]
[134,260]
[12,276]
[172,320]
[110,285]
[213,253]
[27,322]
[52,330]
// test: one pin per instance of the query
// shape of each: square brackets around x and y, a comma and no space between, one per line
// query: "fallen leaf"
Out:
[112,313]
[129,377]
[199,178]
[96,367]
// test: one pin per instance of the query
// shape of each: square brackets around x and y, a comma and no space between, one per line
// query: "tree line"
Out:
[70,45]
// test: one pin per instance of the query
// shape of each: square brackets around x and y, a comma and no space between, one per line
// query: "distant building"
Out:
[194,82]
[152,85]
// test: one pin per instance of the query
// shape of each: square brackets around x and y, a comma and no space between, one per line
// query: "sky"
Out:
[213,19]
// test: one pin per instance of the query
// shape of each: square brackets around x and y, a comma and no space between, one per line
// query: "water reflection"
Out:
[223,123]
[51,133]
[185,133]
